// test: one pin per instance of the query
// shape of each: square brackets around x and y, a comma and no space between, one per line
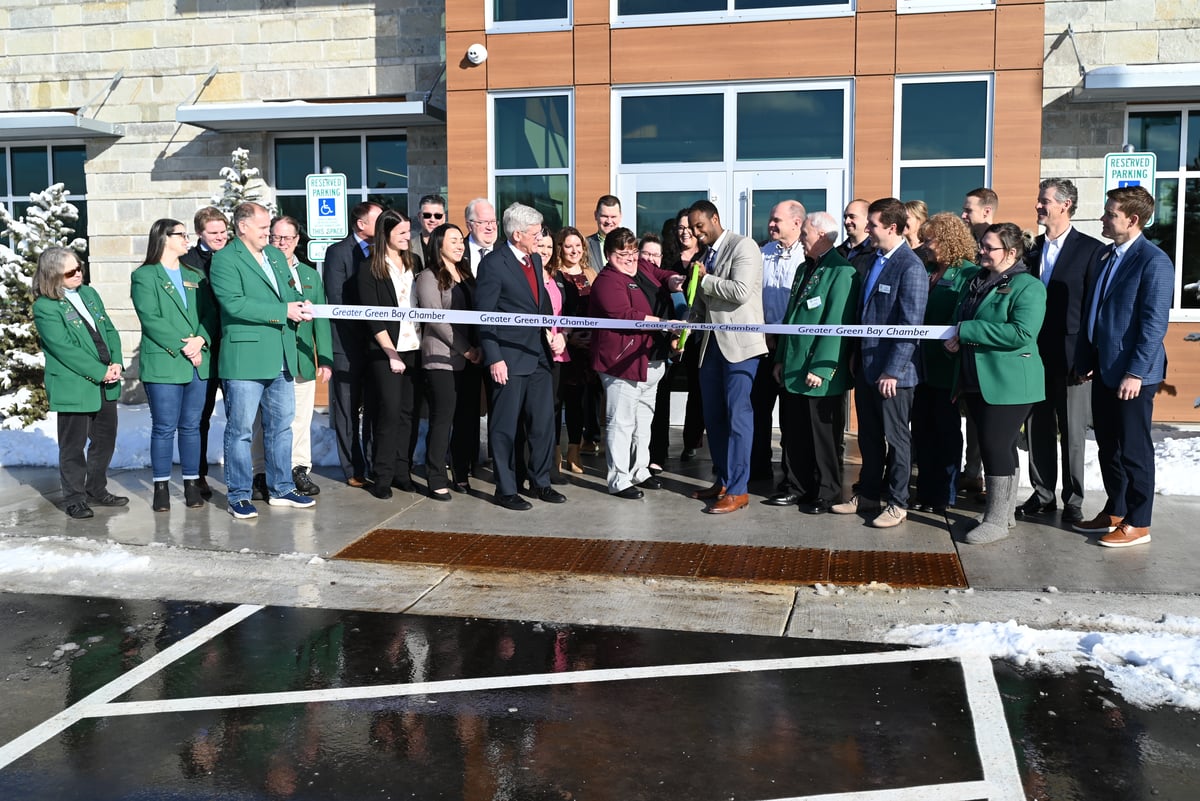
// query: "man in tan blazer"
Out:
[730,292]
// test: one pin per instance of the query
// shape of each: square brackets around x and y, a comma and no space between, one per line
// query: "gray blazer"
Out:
[731,292]
[442,344]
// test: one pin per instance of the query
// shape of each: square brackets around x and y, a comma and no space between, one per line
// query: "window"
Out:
[1173,135]
[936,6]
[27,169]
[694,12]
[531,153]
[511,16]
[943,143]
[375,166]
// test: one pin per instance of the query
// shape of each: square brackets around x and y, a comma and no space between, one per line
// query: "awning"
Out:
[42,125]
[307,115]
[1140,83]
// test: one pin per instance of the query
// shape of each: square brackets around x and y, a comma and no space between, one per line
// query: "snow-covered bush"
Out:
[242,184]
[46,224]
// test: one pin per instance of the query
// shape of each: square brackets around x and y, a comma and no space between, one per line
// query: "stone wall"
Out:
[1076,136]
[60,54]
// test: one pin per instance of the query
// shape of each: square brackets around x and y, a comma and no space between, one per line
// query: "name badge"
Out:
[631,285]
[885,289]
[1004,290]
[72,315]
[945,282]
[191,285]
[812,303]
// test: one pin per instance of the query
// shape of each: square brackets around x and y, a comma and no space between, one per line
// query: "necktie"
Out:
[710,258]
[873,276]
[1102,290]
[484,251]
[366,248]
[527,262]
[270,273]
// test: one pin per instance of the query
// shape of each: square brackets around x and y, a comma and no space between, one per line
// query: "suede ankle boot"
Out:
[162,497]
[193,495]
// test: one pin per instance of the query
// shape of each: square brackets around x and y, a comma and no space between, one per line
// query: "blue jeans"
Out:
[725,387]
[243,399]
[175,409]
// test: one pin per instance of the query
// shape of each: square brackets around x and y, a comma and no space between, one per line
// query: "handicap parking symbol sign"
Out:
[327,208]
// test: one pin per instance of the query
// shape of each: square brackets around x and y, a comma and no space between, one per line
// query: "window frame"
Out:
[942,6]
[9,200]
[730,91]
[569,171]
[492,25]
[833,8]
[989,78]
[1181,175]
[356,186]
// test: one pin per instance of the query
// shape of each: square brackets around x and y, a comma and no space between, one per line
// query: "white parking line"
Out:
[960,791]
[93,704]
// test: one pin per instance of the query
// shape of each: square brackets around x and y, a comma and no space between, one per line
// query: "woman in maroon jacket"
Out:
[630,363]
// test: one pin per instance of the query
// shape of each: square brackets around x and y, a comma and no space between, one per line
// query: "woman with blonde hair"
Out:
[571,265]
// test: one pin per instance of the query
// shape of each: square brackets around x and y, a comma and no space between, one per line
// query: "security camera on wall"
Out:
[477,54]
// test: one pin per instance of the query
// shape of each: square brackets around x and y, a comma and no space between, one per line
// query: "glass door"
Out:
[650,199]
[756,193]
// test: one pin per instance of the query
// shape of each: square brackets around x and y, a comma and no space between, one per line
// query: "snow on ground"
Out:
[1150,663]
[37,446]
[34,559]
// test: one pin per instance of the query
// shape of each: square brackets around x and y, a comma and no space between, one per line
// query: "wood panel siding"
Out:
[460,73]
[527,60]
[1183,377]
[466,150]
[962,41]
[590,12]
[875,44]
[1020,36]
[592,54]
[466,15]
[1016,144]
[874,115]
[593,151]
[786,49]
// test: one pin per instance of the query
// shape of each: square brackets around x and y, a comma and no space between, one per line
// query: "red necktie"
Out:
[530,277]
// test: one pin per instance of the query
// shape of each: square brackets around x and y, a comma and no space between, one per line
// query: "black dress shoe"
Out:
[630,493]
[80,511]
[651,483]
[688,455]
[304,484]
[461,487]
[1072,513]
[108,499]
[380,490]
[932,508]
[404,484]
[259,491]
[784,499]
[205,490]
[1035,508]
[817,507]
[558,479]
[443,495]
[514,502]
[549,495]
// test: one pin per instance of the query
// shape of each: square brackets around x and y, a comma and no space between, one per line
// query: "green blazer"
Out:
[944,297]
[257,339]
[829,298]
[166,320]
[1002,336]
[73,366]
[314,339]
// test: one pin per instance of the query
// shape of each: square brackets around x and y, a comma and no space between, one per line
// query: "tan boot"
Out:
[573,459]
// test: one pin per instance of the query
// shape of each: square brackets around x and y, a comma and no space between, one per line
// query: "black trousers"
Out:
[529,399]
[210,405]
[86,475]
[885,441]
[763,394]
[937,444]
[999,426]
[351,415]
[393,442]
[1126,451]
[814,445]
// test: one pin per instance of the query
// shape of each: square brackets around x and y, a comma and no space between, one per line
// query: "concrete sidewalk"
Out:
[1040,573]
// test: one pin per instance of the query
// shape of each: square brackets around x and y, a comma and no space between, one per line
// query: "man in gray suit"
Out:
[894,293]
[730,291]
[608,218]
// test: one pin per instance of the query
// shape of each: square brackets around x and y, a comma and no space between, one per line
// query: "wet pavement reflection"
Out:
[508,721]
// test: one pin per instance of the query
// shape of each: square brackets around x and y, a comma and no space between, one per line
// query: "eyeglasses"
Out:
[72,273]
[178,233]
[625,254]
[483,223]
[280,238]
[432,215]
[983,249]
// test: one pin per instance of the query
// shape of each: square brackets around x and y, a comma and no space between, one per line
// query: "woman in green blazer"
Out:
[83,378]
[176,309]
[999,372]
[936,423]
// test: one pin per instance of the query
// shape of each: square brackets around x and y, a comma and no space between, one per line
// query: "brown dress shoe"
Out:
[715,492]
[1100,524]
[356,481]
[1126,535]
[729,503]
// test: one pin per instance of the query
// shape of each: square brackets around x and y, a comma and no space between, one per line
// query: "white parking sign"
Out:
[326,194]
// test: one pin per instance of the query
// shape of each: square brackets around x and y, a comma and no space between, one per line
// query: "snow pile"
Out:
[34,559]
[37,445]
[1150,663]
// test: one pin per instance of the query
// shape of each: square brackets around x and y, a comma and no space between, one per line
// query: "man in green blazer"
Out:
[258,360]
[814,371]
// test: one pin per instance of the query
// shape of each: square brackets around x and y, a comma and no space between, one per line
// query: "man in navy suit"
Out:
[1061,258]
[894,293]
[518,358]
[1121,351]
[346,392]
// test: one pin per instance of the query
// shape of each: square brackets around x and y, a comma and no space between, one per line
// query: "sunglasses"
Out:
[432,215]
[73,273]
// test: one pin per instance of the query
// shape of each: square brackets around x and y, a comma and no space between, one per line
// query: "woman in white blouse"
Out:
[392,351]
